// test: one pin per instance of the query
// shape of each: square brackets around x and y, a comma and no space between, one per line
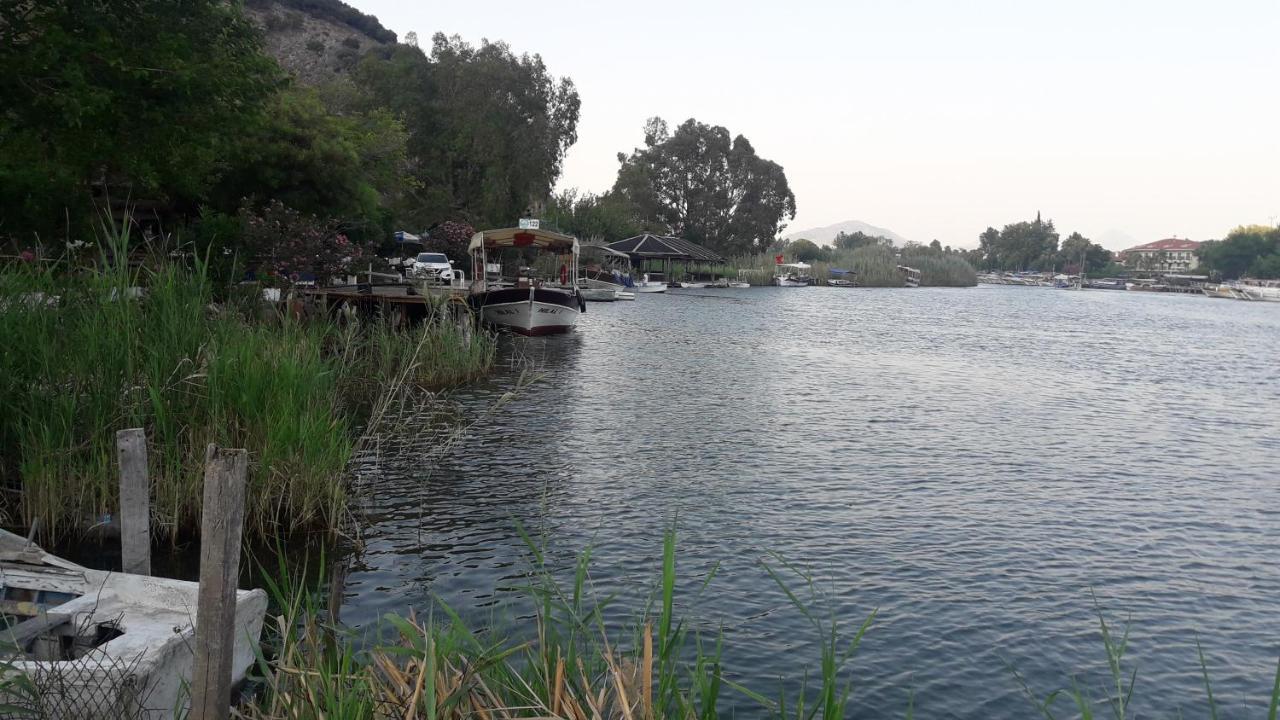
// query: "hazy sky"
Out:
[934,119]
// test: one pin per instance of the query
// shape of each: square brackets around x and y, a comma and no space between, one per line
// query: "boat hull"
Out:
[788,282]
[596,294]
[543,311]
[650,287]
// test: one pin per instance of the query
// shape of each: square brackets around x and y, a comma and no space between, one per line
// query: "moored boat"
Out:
[535,301]
[647,285]
[910,276]
[794,274]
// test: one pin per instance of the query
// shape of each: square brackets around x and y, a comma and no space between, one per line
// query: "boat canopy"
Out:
[796,265]
[839,271]
[516,237]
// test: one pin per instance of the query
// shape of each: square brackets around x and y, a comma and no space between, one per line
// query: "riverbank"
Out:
[874,266]
[158,345]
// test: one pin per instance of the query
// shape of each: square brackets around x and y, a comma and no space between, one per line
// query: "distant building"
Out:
[1170,255]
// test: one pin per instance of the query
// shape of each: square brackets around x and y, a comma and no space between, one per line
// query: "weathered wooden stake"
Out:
[221,524]
[135,501]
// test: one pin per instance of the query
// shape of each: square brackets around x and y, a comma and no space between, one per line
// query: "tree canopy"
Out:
[488,129]
[699,184]
[1252,250]
[145,96]
[1028,245]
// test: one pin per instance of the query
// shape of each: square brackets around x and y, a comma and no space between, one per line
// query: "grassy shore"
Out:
[563,662]
[192,364]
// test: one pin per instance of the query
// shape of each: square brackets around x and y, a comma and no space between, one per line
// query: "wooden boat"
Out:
[531,302]
[98,644]
[910,276]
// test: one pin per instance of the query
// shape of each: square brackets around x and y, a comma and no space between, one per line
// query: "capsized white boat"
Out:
[531,302]
[98,644]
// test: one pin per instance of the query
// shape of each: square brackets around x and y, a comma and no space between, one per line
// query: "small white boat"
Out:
[624,295]
[910,276]
[792,275]
[100,644]
[649,286]
[529,304]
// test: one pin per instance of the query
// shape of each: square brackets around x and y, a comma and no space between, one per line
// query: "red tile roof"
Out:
[1167,244]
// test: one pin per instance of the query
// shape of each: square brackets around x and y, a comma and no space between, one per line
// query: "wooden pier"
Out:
[401,302]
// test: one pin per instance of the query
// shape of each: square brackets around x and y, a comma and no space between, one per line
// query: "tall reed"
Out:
[875,266]
[87,353]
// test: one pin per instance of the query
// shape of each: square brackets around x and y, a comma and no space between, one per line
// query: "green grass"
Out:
[565,663]
[191,365]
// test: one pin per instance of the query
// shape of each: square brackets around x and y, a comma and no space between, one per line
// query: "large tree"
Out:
[488,129]
[1077,248]
[143,97]
[1247,250]
[1028,245]
[701,185]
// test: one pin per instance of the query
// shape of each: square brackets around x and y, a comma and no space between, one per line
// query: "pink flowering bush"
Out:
[289,246]
[451,238]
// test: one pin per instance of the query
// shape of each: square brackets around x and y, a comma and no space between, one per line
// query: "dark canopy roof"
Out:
[664,247]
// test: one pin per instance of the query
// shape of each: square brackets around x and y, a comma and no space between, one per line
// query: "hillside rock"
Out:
[316,40]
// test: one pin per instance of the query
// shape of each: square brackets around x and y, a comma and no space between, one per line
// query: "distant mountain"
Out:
[827,234]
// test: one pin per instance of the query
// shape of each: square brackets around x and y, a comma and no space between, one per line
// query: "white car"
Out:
[432,266]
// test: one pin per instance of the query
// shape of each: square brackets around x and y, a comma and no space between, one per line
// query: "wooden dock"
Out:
[403,302]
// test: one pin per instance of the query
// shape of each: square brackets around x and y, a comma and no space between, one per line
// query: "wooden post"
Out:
[221,525]
[135,502]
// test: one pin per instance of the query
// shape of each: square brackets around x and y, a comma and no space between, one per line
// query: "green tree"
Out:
[605,217]
[857,239]
[1020,246]
[350,166]
[701,185]
[1245,250]
[138,97]
[803,250]
[1077,247]
[488,129]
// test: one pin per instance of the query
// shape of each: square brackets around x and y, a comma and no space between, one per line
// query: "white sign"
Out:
[529,223]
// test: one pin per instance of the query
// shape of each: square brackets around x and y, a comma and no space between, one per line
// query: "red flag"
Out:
[777,260]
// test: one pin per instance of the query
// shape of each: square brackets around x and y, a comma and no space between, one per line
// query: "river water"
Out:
[977,465]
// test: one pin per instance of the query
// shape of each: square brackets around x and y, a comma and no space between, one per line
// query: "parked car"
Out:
[432,266]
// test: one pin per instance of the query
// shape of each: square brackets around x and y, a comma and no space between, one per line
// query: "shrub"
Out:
[291,246]
[315,45]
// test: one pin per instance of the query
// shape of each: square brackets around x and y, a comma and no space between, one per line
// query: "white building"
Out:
[1170,255]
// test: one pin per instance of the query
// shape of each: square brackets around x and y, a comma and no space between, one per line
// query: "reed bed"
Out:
[85,356]
[876,266]
[564,663]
